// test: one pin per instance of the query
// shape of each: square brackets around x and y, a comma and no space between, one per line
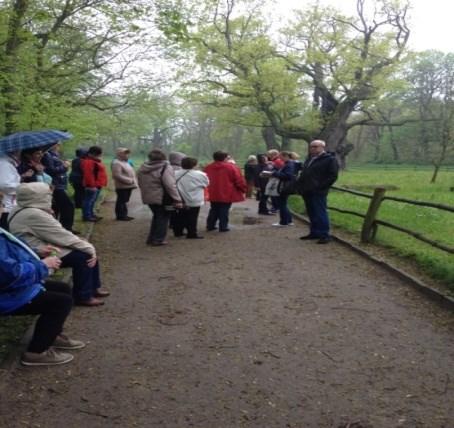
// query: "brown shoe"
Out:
[93,301]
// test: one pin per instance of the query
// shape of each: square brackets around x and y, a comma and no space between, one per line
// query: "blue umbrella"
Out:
[29,139]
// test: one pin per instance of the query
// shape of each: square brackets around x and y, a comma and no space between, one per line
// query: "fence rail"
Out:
[371,223]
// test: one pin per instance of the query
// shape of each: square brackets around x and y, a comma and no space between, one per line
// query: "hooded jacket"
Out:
[226,182]
[154,177]
[175,159]
[9,180]
[32,221]
[56,168]
[21,273]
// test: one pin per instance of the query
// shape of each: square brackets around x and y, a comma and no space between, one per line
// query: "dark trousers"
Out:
[317,211]
[4,221]
[159,224]
[78,194]
[219,211]
[63,208]
[263,200]
[86,280]
[53,305]
[275,202]
[121,207]
[186,219]
[284,212]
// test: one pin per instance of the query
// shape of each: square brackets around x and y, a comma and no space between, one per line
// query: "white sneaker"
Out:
[278,225]
[51,357]
[291,224]
[64,342]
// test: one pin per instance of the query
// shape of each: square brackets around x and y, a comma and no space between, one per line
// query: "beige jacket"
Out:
[152,185]
[123,175]
[31,220]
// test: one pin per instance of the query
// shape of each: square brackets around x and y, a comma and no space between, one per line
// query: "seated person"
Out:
[32,221]
[24,292]
[30,168]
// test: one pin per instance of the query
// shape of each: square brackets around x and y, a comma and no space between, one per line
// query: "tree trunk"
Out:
[393,144]
[286,144]
[269,136]
[12,45]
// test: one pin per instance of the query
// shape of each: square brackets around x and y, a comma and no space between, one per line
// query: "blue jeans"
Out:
[86,280]
[317,211]
[284,212]
[88,206]
[219,211]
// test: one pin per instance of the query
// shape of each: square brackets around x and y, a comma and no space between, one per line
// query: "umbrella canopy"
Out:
[29,139]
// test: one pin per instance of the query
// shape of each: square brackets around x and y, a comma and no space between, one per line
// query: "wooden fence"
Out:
[371,223]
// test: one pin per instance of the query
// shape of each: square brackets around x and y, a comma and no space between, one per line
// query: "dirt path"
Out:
[253,328]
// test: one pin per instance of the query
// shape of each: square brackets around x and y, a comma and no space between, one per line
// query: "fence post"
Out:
[367,232]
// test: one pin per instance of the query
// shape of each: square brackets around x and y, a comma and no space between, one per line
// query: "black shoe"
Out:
[224,230]
[323,240]
[194,237]
[76,232]
[265,213]
[125,219]
[308,237]
[210,229]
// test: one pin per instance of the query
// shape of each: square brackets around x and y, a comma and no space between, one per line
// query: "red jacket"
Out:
[226,182]
[93,173]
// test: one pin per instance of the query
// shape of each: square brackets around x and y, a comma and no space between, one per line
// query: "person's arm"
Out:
[332,171]
[169,183]
[53,165]
[238,180]
[88,173]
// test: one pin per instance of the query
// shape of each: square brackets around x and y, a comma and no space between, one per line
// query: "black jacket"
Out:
[319,175]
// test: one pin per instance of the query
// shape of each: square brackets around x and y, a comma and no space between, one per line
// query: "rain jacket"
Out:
[55,167]
[9,180]
[93,173]
[191,184]
[153,178]
[318,174]
[226,182]
[31,220]
[21,273]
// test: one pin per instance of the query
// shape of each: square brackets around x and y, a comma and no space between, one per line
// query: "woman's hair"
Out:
[220,155]
[188,163]
[262,158]
[272,153]
[157,155]
[286,154]
[294,156]
[95,150]
[252,158]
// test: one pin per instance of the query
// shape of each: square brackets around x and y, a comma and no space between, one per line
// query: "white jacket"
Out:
[9,181]
[191,184]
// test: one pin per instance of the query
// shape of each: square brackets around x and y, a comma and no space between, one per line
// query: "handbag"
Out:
[287,187]
[167,200]
[272,186]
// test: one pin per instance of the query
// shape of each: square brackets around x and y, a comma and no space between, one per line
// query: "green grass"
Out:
[411,183]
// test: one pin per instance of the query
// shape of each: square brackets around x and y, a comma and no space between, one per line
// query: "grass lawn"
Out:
[411,183]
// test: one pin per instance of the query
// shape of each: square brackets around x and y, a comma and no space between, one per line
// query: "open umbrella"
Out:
[29,139]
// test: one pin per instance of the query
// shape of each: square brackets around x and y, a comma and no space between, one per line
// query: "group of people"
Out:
[37,238]
[276,175]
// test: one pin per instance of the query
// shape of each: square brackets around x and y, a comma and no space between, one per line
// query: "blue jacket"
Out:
[287,172]
[21,273]
[56,169]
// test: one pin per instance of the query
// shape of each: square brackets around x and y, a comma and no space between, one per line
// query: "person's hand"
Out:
[92,262]
[52,262]
[178,205]
[47,250]
[67,163]
[28,173]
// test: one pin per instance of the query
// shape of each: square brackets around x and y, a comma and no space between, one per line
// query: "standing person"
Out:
[249,174]
[9,181]
[24,291]
[124,178]
[76,179]
[159,191]
[227,186]
[277,163]
[318,174]
[175,159]
[58,169]
[191,184]
[284,174]
[94,178]
[260,183]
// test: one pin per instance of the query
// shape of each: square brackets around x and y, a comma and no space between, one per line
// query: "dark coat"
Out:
[55,167]
[319,175]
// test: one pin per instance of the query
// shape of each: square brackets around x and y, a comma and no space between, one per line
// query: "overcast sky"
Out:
[431,21]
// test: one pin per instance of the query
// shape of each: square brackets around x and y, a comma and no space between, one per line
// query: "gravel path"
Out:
[252,328]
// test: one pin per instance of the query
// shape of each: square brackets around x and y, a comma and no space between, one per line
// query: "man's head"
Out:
[156,155]
[123,153]
[220,156]
[316,147]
